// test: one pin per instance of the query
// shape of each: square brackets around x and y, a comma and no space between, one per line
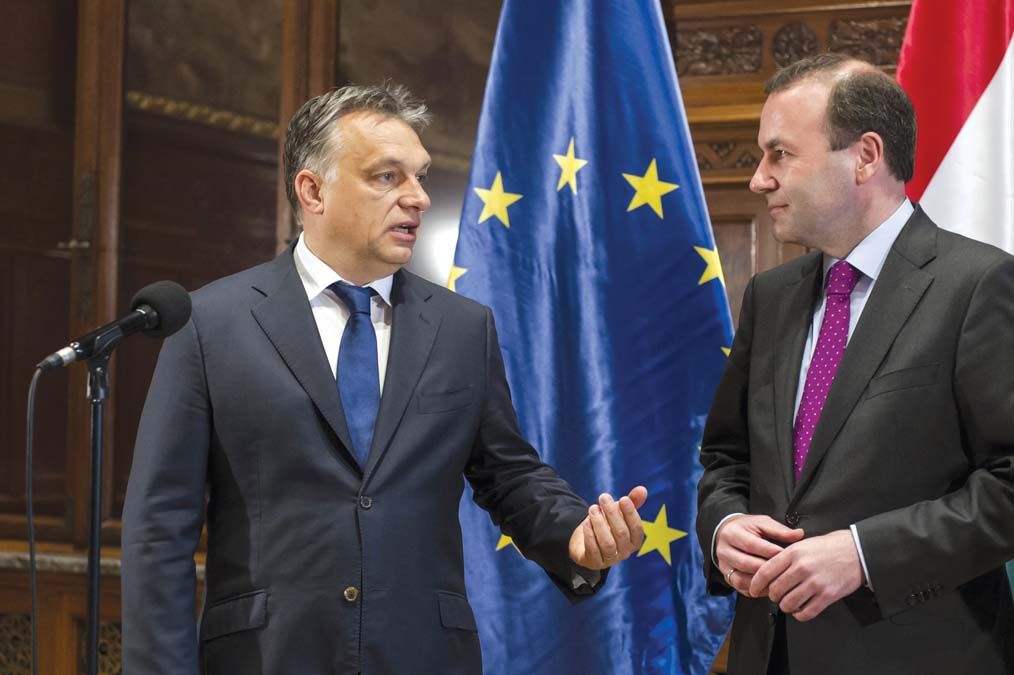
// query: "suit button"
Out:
[365,502]
[792,519]
[351,594]
[772,616]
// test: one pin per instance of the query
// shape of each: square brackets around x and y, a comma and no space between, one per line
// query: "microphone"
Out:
[159,309]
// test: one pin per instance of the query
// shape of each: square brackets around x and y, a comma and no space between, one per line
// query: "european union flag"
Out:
[585,229]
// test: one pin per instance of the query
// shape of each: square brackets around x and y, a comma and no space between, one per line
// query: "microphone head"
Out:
[171,303]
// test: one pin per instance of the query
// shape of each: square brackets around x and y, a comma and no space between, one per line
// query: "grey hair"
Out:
[310,138]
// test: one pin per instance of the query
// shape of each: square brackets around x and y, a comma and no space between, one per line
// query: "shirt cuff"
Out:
[862,559]
[714,537]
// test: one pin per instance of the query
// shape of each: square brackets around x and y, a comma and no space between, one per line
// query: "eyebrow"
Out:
[773,143]
[395,161]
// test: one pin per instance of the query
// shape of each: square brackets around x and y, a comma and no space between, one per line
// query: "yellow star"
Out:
[506,541]
[496,201]
[726,351]
[649,189]
[714,268]
[569,166]
[658,536]
[455,274]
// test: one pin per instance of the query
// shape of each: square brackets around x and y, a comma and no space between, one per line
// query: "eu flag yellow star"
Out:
[658,536]
[569,166]
[506,541]
[496,201]
[714,268]
[649,189]
[455,274]
[726,350]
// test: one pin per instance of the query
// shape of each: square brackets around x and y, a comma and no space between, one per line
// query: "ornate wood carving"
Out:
[719,51]
[15,644]
[875,40]
[794,41]
[202,114]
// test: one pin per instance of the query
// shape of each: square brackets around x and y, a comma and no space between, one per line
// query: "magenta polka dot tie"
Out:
[834,333]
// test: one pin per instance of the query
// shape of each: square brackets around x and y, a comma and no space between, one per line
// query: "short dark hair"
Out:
[310,139]
[863,100]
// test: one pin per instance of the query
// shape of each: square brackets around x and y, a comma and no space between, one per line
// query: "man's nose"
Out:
[761,181]
[416,197]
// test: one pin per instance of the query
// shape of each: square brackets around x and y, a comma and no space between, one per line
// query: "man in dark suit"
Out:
[858,491]
[331,405]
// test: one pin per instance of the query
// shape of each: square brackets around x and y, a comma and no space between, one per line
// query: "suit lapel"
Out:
[794,317]
[286,318]
[899,288]
[414,326]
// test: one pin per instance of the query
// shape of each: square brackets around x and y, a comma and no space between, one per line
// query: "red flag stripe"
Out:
[951,52]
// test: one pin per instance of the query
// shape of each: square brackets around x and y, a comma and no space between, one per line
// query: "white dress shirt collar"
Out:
[870,254]
[316,275]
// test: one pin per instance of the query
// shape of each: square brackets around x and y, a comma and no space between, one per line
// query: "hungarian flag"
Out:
[957,65]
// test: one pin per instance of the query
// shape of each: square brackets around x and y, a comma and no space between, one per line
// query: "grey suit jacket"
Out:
[315,565]
[915,445]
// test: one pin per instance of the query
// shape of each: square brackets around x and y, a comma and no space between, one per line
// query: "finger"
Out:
[734,558]
[604,537]
[769,527]
[813,608]
[741,582]
[633,520]
[748,540]
[592,554]
[768,572]
[639,495]
[796,600]
[617,525]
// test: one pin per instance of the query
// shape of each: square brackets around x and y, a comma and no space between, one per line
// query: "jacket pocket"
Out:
[235,614]
[455,612]
[906,378]
[445,401]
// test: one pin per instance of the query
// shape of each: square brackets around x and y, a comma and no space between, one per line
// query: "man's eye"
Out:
[387,176]
[422,178]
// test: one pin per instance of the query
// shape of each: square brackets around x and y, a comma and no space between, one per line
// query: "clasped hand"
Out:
[761,557]
[611,532]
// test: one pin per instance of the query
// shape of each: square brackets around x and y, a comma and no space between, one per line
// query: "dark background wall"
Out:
[139,140]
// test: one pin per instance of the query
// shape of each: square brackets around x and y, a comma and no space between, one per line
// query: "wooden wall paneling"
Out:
[37,51]
[198,204]
[97,163]
[309,67]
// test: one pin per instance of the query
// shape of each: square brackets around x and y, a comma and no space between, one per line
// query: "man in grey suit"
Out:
[330,405]
[858,492]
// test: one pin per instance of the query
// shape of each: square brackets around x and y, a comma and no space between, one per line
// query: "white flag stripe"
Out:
[972,191]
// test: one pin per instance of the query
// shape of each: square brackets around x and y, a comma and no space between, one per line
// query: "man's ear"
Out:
[309,188]
[870,156]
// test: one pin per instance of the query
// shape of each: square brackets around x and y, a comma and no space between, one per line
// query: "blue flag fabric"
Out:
[584,227]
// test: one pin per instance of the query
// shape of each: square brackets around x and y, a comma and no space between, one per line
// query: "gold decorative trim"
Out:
[202,114]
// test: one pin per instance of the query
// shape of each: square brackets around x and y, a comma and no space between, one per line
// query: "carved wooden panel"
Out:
[220,53]
[198,204]
[37,58]
[444,62]
[37,43]
[15,644]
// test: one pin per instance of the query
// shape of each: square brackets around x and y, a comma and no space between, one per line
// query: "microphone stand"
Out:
[98,391]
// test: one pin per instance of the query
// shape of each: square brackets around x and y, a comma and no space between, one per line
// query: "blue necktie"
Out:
[357,375]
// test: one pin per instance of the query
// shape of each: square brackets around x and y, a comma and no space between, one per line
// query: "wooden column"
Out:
[309,67]
[97,161]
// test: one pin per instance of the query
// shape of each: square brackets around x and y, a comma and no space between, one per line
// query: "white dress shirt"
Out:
[868,257]
[331,314]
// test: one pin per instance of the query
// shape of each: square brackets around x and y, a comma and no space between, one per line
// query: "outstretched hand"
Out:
[611,532]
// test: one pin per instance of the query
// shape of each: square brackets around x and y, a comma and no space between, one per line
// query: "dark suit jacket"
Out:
[313,565]
[915,445]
